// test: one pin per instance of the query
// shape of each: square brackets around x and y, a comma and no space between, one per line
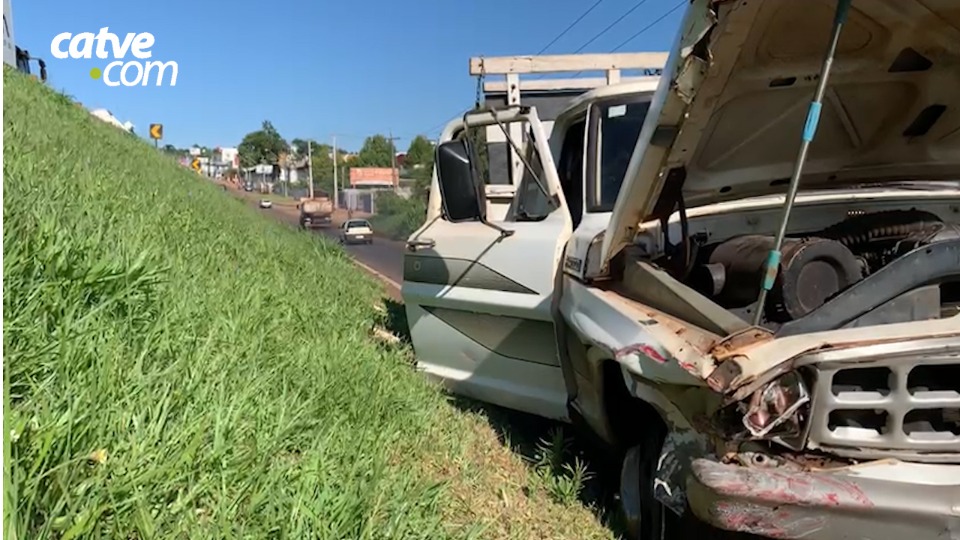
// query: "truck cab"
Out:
[462,275]
[817,400]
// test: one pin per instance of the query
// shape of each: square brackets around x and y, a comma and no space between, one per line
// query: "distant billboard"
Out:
[372,176]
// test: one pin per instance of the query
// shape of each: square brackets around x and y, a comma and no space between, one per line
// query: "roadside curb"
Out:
[377,274]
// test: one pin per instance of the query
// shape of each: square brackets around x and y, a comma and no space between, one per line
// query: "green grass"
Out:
[177,365]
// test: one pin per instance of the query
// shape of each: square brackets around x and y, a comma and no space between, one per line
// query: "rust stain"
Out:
[723,376]
[734,344]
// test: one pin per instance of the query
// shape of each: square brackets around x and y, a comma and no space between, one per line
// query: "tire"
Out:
[645,517]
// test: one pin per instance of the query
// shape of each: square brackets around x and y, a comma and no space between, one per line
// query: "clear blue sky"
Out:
[317,67]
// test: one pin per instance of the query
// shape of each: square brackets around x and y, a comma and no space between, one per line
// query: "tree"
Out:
[377,151]
[420,163]
[262,146]
[420,152]
[299,146]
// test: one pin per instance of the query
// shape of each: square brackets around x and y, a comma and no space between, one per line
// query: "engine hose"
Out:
[861,229]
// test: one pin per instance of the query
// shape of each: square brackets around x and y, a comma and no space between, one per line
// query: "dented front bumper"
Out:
[878,500]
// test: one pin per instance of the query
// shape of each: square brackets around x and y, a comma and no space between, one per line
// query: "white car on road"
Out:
[356,231]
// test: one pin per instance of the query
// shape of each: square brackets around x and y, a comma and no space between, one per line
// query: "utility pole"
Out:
[393,162]
[335,186]
[310,166]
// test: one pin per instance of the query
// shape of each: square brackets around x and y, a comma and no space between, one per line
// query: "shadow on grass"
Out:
[396,319]
[564,464]
[567,467]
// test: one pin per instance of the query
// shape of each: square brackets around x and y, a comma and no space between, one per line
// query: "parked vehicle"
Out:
[316,212]
[13,55]
[355,231]
[813,396]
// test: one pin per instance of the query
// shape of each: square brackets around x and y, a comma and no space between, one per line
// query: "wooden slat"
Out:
[501,65]
[585,83]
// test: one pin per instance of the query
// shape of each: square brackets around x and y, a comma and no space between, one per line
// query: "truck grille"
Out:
[897,399]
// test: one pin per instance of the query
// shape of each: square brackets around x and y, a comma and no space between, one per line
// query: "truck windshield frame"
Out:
[607,166]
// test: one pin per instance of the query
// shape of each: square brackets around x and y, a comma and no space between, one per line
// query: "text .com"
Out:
[108,45]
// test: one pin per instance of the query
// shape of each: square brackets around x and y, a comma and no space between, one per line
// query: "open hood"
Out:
[727,118]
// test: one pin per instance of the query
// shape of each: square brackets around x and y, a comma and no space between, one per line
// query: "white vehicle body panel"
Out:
[9,45]
[479,305]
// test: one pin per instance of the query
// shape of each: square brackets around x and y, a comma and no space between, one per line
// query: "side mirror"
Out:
[462,198]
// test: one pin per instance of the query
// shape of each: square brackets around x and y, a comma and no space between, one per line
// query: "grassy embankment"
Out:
[177,365]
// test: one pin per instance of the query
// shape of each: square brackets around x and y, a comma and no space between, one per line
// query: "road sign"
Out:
[156,131]
[195,164]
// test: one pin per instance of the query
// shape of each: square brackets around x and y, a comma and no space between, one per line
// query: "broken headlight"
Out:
[777,411]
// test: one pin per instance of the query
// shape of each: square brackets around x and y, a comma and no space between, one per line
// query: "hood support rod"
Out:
[809,131]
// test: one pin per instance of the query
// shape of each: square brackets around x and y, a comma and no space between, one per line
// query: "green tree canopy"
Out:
[420,152]
[262,146]
[377,151]
[419,164]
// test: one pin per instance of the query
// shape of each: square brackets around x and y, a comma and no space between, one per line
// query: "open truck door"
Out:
[479,291]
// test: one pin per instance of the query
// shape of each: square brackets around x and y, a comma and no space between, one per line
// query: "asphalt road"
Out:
[383,256]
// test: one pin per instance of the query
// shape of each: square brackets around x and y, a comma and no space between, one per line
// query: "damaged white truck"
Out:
[762,312]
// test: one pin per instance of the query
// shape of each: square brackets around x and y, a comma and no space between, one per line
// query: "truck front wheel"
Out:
[646,517]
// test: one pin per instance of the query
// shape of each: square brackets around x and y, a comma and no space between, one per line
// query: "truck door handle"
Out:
[425,243]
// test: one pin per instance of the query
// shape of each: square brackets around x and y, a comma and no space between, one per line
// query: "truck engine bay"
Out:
[881,265]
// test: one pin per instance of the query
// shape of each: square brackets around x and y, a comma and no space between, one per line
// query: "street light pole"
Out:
[335,186]
[393,163]
[310,166]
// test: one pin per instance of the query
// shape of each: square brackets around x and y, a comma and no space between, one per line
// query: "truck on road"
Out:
[315,212]
[767,338]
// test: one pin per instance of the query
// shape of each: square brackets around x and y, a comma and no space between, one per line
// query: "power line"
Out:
[645,28]
[607,29]
[649,26]
[594,38]
[442,124]
[567,29]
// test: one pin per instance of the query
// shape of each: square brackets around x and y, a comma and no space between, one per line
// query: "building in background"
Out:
[229,156]
[108,117]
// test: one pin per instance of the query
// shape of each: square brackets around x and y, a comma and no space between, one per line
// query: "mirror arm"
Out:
[513,144]
[504,233]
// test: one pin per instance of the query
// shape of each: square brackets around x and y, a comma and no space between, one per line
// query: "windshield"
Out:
[358,224]
[615,128]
